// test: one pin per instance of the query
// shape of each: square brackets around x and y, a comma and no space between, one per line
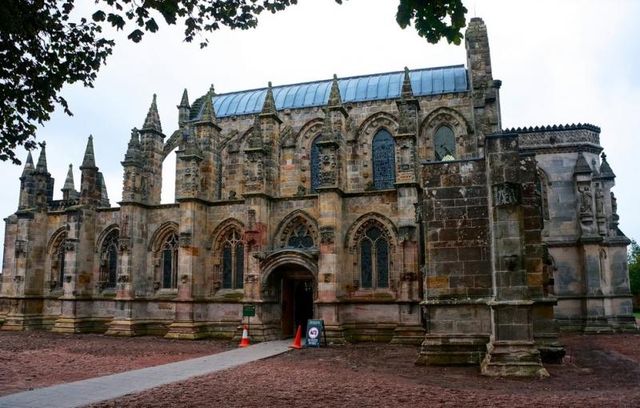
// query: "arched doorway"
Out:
[290,283]
[294,289]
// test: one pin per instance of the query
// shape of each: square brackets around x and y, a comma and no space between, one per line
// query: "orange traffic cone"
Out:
[297,341]
[244,342]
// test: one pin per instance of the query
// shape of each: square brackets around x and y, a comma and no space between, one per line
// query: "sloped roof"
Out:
[426,81]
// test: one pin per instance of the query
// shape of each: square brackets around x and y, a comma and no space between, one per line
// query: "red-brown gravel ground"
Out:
[599,371]
[39,359]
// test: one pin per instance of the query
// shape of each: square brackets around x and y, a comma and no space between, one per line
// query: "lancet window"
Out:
[384,160]
[374,259]
[169,262]
[232,260]
[109,260]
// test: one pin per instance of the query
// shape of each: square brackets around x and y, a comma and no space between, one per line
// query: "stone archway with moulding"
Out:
[465,146]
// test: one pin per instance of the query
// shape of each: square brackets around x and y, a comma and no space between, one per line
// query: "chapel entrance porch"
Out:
[295,287]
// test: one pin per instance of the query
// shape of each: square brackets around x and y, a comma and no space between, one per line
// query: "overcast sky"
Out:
[559,61]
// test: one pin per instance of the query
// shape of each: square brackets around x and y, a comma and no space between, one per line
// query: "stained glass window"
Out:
[444,144]
[232,261]
[315,165]
[170,262]
[374,259]
[109,257]
[384,160]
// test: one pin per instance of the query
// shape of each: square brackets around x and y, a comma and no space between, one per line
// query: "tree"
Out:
[43,46]
[634,268]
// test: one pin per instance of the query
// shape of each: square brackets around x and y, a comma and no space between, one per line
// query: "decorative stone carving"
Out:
[21,247]
[586,200]
[254,170]
[124,244]
[70,245]
[505,194]
[327,235]
[122,278]
[184,278]
[185,239]
[302,190]
[409,277]
[190,184]
[232,195]
[68,278]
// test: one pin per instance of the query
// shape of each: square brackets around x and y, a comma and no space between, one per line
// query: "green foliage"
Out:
[42,48]
[634,268]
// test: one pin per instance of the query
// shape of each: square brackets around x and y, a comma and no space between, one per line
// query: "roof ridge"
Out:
[274,87]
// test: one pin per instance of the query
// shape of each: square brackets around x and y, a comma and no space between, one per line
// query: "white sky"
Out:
[560,62]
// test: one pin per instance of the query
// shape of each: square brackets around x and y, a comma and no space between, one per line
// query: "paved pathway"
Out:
[80,393]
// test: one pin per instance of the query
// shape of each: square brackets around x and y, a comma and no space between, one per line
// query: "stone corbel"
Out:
[70,245]
[327,235]
[185,239]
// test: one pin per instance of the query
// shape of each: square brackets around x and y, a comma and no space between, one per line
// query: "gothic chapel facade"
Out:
[392,206]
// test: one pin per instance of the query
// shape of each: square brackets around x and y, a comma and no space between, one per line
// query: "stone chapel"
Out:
[393,206]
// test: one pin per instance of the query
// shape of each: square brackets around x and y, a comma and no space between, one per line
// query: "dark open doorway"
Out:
[297,303]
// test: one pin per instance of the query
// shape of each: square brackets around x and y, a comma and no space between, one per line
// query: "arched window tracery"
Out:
[384,163]
[374,258]
[169,261]
[299,232]
[232,254]
[109,260]
[444,144]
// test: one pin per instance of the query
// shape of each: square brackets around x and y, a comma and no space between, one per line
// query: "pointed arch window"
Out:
[314,159]
[169,262]
[374,259]
[384,160]
[444,144]
[109,260]
[58,256]
[232,260]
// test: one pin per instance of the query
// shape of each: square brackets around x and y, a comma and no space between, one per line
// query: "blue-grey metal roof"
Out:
[427,81]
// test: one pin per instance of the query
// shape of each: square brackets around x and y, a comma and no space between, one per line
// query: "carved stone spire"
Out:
[28,166]
[152,121]
[208,113]
[407,90]
[269,106]
[582,167]
[334,95]
[184,109]
[255,139]
[133,150]
[184,102]
[41,167]
[605,168]
[89,159]
[69,184]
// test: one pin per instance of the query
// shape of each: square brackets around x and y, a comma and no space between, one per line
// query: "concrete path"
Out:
[98,389]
